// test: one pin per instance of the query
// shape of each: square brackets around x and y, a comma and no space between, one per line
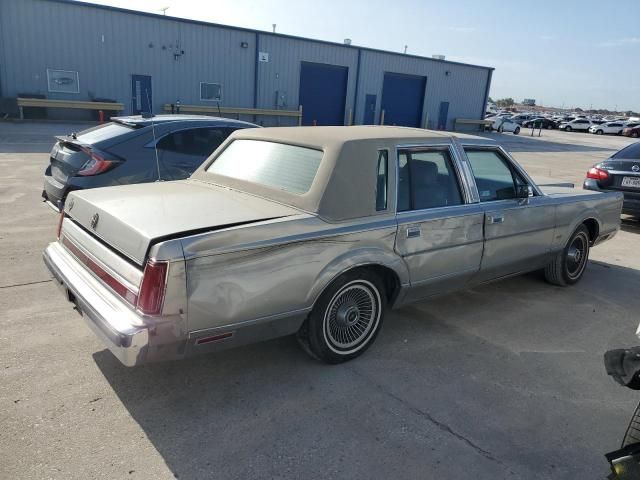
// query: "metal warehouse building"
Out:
[59,49]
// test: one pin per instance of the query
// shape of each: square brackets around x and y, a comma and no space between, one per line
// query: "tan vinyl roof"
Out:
[345,183]
[323,136]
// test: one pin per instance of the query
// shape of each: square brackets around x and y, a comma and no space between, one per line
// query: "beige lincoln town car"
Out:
[313,231]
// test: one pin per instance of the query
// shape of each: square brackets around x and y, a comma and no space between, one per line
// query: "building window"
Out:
[63,81]
[211,92]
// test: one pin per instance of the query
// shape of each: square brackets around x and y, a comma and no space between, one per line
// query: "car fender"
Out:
[360,257]
[577,218]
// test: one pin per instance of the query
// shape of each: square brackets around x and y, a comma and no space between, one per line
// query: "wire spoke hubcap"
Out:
[352,316]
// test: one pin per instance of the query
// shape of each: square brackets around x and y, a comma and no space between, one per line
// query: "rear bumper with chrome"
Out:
[128,335]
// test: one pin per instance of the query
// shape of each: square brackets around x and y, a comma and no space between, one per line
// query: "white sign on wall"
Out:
[263,56]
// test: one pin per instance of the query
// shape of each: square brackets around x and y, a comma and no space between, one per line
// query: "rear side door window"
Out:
[495,177]
[200,142]
[427,179]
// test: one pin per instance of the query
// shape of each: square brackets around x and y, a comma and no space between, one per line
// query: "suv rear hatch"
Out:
[130,218]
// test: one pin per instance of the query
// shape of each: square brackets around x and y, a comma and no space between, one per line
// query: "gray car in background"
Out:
[122,152]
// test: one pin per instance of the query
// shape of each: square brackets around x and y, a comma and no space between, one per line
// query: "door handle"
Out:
[496,218]
[413,232]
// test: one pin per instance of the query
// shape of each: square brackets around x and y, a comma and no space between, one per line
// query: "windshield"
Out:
[276,165]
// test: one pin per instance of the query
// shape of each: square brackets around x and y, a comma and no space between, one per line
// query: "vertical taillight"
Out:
[60,222]
[152,289]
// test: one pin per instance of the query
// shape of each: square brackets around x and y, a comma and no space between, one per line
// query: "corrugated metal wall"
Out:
[107,46]
[464,86]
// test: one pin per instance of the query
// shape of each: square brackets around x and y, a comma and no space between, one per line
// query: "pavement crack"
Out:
[427,416]
[24,284]
[442,426]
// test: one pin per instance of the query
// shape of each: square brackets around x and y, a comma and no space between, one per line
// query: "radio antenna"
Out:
[153,131]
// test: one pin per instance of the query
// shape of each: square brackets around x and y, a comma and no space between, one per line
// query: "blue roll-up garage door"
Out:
[323,92]
[402,99]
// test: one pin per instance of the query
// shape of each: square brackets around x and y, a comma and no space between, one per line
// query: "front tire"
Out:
[599,132]
[569,265]
[516,131]
[568,129]
[346,318]
[634,135]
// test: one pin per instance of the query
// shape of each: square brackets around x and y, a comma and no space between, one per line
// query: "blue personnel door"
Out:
[141,97]
[402,99]
[323,93]
[442,115]
[369,109]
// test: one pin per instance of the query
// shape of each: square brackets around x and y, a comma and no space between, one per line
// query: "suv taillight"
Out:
[596,173]
[152,289]
[96,164]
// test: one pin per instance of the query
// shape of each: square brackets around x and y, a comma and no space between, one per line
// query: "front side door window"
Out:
[495,178]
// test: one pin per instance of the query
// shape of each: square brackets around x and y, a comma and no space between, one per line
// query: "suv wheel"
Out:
[568,128]
[346,318]
[599,132]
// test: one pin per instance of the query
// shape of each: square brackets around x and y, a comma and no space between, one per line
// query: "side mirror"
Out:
[524,191]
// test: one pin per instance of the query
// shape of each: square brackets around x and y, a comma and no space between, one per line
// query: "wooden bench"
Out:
[469,121]
[212,109]
[46,103]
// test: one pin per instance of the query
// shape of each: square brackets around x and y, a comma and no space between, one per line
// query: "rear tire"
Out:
[634,135]
[346,318]
[569,264]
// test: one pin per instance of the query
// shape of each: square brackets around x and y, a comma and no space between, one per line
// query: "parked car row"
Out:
[568,123]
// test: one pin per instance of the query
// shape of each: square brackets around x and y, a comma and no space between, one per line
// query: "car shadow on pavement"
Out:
[630,224]
[467,372]
[526,143]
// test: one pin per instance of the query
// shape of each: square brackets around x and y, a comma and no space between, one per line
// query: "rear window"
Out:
[276,165]
[631,152]
[103,132]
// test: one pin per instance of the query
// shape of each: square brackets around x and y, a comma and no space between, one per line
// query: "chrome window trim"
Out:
[501,151]
[386,209]
[465,193]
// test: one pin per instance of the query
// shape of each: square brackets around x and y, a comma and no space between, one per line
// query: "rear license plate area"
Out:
[632,182]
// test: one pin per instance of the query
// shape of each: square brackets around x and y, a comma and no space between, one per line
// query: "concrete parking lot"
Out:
[501,381]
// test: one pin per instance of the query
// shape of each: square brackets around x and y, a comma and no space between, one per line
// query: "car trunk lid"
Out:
[131,218]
